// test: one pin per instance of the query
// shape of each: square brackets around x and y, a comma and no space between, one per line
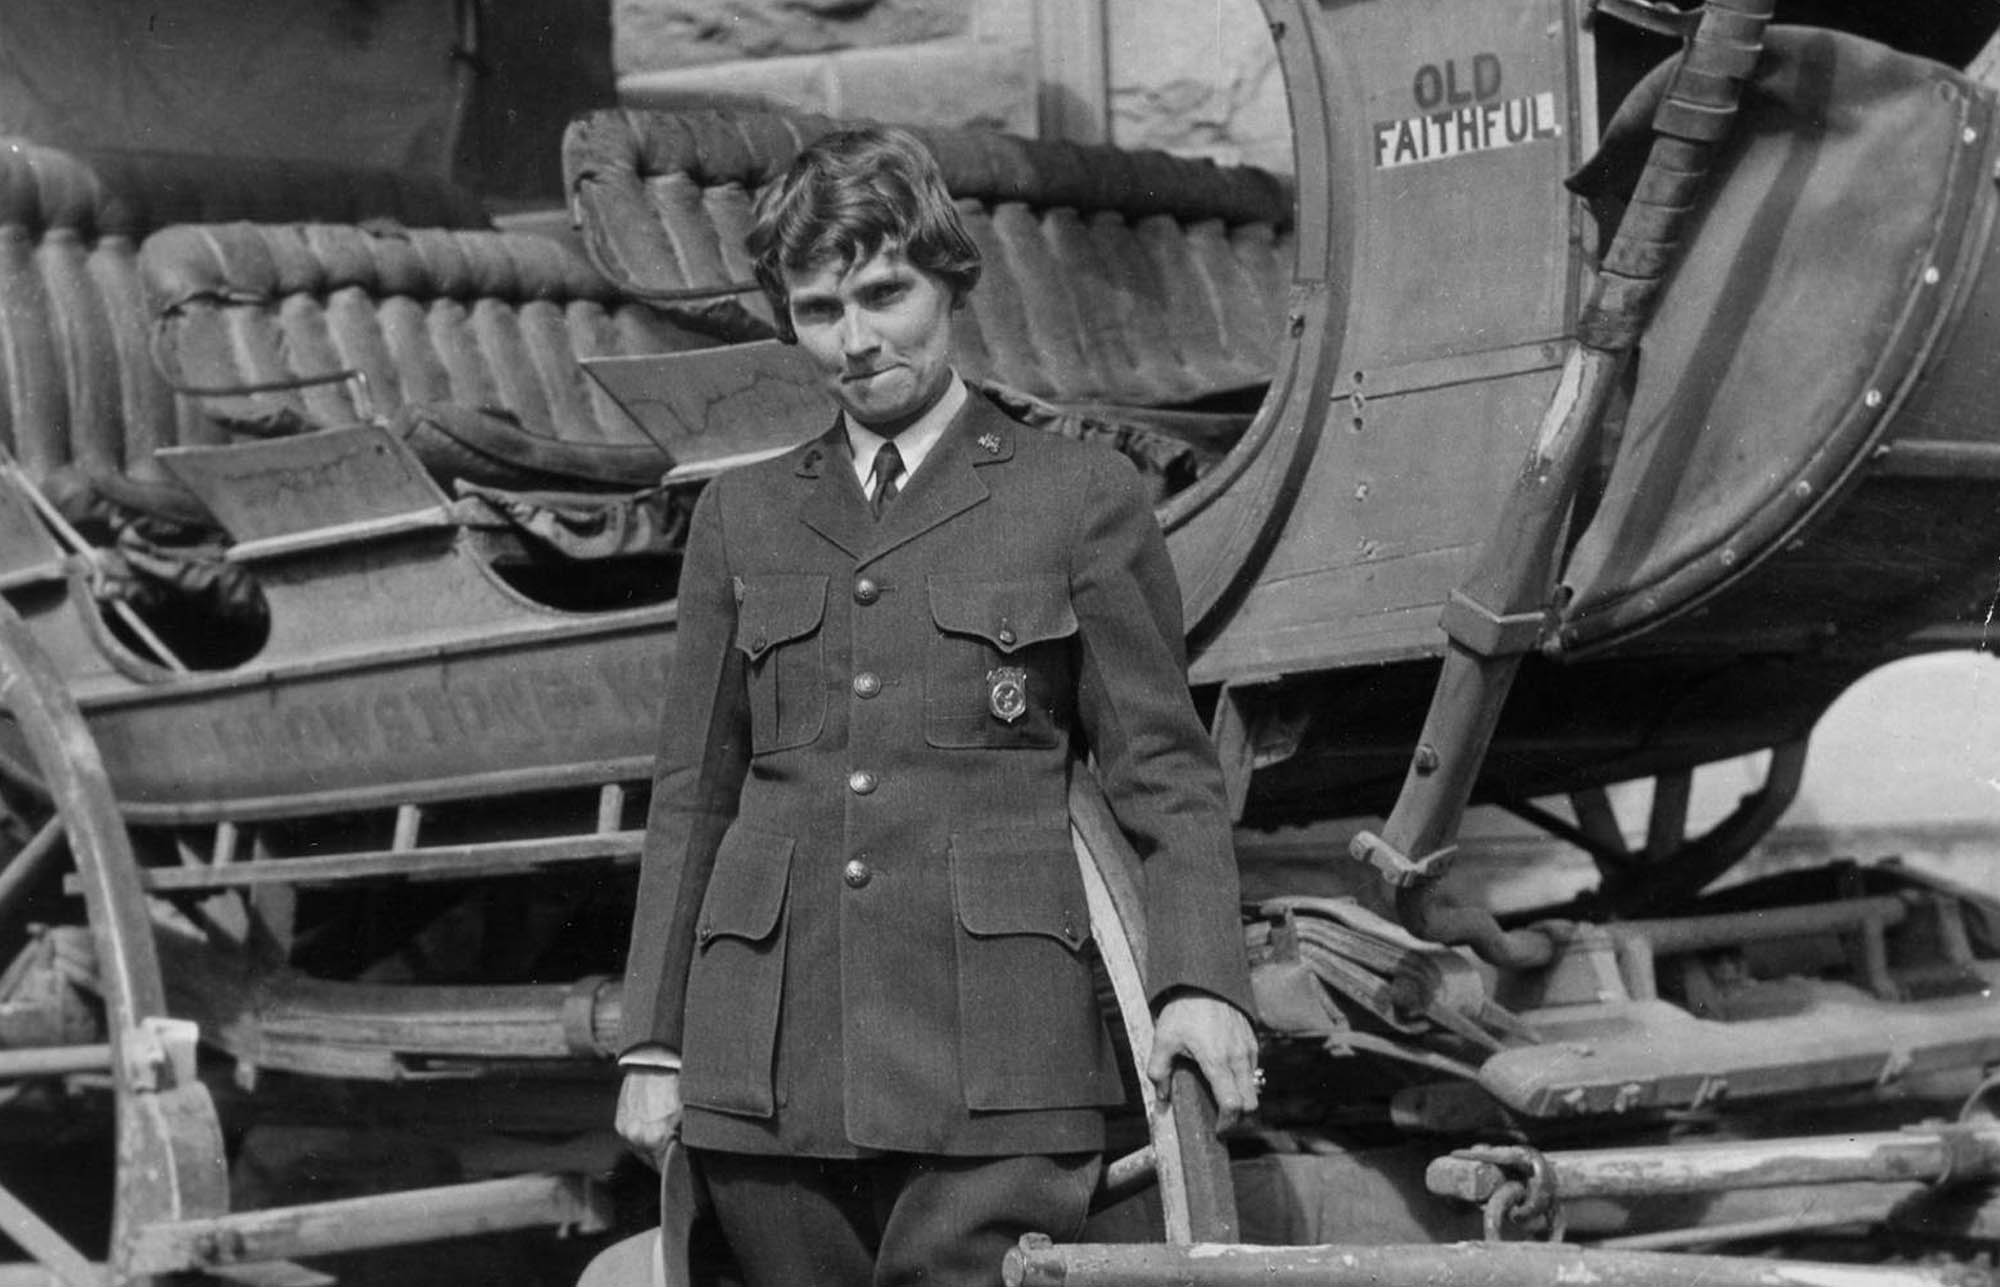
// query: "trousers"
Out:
[895,1220]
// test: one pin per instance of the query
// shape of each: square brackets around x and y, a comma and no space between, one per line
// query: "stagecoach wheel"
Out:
[1671,865]
[169,1155]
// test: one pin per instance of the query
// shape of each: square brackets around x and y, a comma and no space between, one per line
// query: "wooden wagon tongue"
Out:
[1037,1262]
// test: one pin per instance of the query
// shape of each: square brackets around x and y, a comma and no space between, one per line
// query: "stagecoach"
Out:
[332,640]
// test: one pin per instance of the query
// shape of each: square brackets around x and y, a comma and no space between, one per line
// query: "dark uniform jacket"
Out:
[860,919]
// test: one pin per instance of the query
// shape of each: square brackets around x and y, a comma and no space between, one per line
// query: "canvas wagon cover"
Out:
[1843,221]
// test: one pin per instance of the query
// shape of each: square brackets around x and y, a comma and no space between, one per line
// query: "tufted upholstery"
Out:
[78,394]
[1111,276]
[469,340]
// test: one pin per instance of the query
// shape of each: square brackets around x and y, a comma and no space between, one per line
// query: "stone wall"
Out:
[937,62]
[1199,78]
[656,35]
[1196,77]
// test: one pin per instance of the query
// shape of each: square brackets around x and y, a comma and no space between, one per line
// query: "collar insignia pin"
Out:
[991,442]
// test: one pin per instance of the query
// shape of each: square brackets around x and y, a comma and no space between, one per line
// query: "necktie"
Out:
[885,478]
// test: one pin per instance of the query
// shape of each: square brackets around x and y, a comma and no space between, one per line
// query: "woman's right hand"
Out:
[649,1110]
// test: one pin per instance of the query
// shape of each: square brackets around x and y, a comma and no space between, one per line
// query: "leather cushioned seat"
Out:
[80,401]
[1111,276]
[467,341]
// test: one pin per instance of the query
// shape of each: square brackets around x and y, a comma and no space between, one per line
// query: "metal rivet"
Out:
[1873,398]
[1728,558]
[1803,489]
[1971,135]
[1932,276]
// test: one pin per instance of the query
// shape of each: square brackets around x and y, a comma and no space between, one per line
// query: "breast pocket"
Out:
[1000,671]
[778,632]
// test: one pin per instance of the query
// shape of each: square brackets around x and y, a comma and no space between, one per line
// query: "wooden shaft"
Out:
[53,1061]
[40,1240]
[29,1274]
[70,537]
[1928,1155]
[1514,577]
[1036,1262]
[1707,933]
[28,863]
[1197,1202]
[1789,1225]
[1492,620]
[381,1220]
[1125,1176]
[433,862]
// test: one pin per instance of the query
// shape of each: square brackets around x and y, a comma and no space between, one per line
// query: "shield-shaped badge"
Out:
[1007,693]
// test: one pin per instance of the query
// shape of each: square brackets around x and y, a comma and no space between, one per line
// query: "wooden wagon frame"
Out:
[407,694]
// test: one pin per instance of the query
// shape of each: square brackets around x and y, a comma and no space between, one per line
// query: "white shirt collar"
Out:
[914,443]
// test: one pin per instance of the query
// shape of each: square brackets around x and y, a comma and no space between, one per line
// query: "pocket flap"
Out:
[746,892]
[1010,615]
[771,610]
[1019,881]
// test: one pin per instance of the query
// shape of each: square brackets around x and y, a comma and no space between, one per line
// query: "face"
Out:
[879,331]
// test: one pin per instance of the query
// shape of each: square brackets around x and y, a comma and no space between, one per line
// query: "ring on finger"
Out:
[1257,1078]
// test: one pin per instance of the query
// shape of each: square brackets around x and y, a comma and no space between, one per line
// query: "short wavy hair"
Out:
[849,195]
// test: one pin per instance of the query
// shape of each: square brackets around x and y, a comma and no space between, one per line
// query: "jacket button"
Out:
[757,644]
[866,591]
[861,782]
[706,933]
[867,684]
[1006,636]
[856,874]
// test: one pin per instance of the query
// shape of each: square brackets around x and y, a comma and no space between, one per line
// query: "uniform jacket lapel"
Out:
[946,486]
[948,483]
[835,508]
